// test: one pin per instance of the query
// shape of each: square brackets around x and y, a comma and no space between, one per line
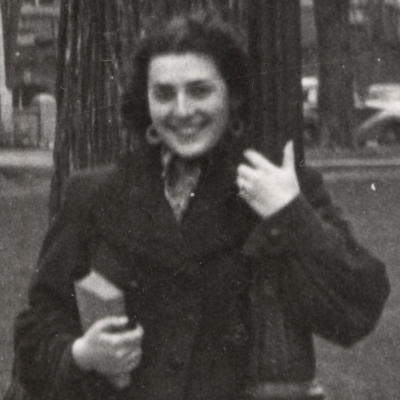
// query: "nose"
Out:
[183,106]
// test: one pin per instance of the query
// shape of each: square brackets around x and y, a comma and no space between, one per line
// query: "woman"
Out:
[183,225]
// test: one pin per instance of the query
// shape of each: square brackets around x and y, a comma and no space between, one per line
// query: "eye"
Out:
[200,90]
[163,93]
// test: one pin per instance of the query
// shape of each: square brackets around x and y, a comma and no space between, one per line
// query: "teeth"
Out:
[187,131]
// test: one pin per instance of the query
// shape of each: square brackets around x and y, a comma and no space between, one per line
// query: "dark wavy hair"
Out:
[195,33]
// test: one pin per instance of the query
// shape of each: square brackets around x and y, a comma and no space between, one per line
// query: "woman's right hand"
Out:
[109,349]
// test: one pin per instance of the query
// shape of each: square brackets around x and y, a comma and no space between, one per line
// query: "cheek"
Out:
[221,102]
[221,112]
[157,112]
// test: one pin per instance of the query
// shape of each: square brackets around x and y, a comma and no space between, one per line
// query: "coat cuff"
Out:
[71,382]
[284,231]
[68,374]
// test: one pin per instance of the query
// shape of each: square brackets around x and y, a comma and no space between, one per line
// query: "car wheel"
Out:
[390,134]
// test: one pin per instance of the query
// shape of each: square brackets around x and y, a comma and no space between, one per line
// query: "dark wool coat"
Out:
[192,286]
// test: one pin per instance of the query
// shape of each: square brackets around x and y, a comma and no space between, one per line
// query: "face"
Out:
[188,102]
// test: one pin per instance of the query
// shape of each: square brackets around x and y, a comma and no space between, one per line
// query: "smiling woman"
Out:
[188,102]
[186,226]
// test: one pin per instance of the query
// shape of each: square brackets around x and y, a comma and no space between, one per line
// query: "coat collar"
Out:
[134,217]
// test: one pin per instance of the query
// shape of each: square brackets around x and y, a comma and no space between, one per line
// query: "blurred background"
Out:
[370,54]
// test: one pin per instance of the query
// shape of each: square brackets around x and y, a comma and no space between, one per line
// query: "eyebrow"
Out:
[200,82]
[190,83]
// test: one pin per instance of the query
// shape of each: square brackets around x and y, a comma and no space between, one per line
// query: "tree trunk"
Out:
[96,40]
[335,96]
[11,10]
[275,51]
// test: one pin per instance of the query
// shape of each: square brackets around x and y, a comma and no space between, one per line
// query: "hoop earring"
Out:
[237,128]
[152,136]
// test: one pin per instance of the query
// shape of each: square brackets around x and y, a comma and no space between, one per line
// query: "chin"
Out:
[194,149]
[190,152]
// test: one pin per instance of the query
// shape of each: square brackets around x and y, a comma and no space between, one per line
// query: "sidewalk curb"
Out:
[30,167]
[25,172]
[353,163]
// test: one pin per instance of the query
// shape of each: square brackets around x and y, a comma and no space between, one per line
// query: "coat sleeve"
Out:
[46,329]
[327,280]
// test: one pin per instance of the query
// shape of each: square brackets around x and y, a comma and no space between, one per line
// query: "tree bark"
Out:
[95,43]
[275,52]
[335,95]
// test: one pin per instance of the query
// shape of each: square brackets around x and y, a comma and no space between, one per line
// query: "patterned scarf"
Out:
[180,181]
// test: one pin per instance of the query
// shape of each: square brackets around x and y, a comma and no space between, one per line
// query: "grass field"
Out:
[367,371]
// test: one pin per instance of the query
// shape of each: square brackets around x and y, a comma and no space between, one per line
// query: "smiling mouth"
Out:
[187,130]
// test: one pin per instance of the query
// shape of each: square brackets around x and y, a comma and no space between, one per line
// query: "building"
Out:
[37,43]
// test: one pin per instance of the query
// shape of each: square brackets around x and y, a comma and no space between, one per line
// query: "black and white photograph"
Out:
[199,199]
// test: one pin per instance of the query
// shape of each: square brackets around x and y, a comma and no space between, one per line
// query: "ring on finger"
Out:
[241,185]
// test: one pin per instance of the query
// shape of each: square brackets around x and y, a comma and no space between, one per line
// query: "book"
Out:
[97,298]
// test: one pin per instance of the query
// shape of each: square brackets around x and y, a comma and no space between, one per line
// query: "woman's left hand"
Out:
[266,187]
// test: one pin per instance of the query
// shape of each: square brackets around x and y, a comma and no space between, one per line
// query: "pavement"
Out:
[26,158]
[25,163]
[357,168]
[34,161]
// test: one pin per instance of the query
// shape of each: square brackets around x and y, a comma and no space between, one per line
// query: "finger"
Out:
[111,323]
[128,356]
[288,156]
[130,337]
[134,358]
[246,195]
[242,185]
[246,172]
[257,160]
[132,361]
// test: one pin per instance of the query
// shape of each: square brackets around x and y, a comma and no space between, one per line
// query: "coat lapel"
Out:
[135,218]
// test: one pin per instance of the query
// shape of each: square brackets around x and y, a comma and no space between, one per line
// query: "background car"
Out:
[383,126]
[377,114]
